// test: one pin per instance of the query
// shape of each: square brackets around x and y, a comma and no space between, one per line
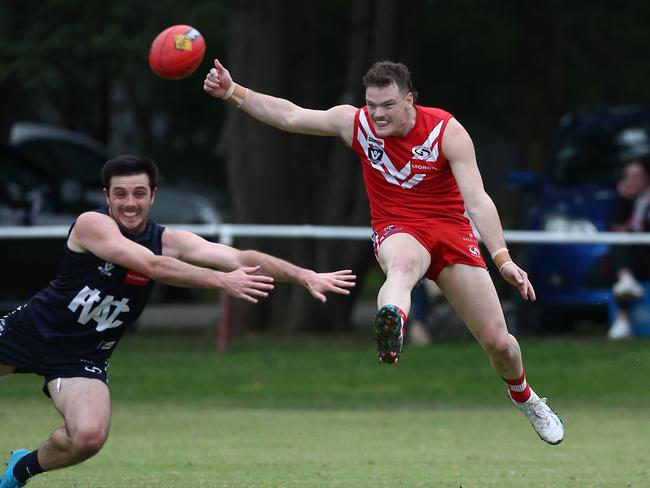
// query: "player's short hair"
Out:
[127,165]
[383,73]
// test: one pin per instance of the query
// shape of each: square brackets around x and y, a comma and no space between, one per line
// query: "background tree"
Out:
[506,70]
[296,179]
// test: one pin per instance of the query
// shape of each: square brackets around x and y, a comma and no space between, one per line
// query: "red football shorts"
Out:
[447,242]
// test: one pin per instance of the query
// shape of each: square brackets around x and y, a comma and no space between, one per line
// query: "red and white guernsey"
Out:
[407,178]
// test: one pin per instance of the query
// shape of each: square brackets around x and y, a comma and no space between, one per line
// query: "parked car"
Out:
[27,198]
[576,192]
[73,162]
[48,176]
[25,191]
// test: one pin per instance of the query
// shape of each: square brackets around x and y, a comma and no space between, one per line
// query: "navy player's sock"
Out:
[27,467]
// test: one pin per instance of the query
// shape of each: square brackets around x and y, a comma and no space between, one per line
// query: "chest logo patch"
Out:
[104,311]
[106,269]
[421,152]
[375,153]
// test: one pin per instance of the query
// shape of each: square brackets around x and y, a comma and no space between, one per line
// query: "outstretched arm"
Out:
[278,112]
[194,249]
[458,148]
[98,234]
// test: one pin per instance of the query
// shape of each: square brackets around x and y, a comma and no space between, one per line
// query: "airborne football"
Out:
[176,52]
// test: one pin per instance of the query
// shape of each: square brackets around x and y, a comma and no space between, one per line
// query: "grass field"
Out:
[304,414]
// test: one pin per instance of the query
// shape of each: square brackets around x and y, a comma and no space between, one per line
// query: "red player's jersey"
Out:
[408,178]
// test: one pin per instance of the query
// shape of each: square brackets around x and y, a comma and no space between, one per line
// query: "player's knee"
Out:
[88,440]
[498,345]
[405,266]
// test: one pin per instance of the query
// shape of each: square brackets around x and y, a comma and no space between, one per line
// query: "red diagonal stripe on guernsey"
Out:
[136,279]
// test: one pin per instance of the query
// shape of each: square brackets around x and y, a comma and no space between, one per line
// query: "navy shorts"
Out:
[22,347]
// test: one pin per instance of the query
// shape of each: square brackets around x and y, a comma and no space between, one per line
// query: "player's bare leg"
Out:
[85,406]
[404,261]
[471,293]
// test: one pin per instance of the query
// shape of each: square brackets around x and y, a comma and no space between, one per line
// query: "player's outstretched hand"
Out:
[336,282]
[516,276]
[217,81]
[243,283]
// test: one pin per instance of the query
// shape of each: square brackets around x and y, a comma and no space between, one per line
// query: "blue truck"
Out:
[577,192]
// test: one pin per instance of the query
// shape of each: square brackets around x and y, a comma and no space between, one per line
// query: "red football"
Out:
[176,52]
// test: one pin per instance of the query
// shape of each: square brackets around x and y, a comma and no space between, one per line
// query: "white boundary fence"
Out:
[227,233]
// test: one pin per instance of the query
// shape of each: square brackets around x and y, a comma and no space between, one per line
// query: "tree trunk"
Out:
[542,81]
[278,178]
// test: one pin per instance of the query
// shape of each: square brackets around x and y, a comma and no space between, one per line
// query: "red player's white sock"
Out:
[518,388]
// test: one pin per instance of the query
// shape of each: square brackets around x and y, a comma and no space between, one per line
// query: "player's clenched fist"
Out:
[218,81]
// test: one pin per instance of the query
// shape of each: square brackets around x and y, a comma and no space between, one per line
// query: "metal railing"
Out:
[227,233]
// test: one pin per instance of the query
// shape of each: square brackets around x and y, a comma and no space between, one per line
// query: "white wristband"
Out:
[230,91]
[504,265]
[237,95]
[499,251]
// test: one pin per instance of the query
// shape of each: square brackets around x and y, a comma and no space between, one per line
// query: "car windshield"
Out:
[73,160]
[594,155]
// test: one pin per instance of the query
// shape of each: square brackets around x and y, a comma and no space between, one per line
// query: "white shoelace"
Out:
[538,406]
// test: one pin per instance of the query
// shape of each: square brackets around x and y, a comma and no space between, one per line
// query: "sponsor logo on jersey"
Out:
[423,167]
[474,251]
[106,345]
[106,269]
[377,238]
[136,279]
[389,230]
[421,152]
[470,237]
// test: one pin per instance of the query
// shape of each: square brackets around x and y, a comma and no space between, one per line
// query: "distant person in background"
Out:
[67,332]
[421,178]
[418,326]
[631,263]
[423,297]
